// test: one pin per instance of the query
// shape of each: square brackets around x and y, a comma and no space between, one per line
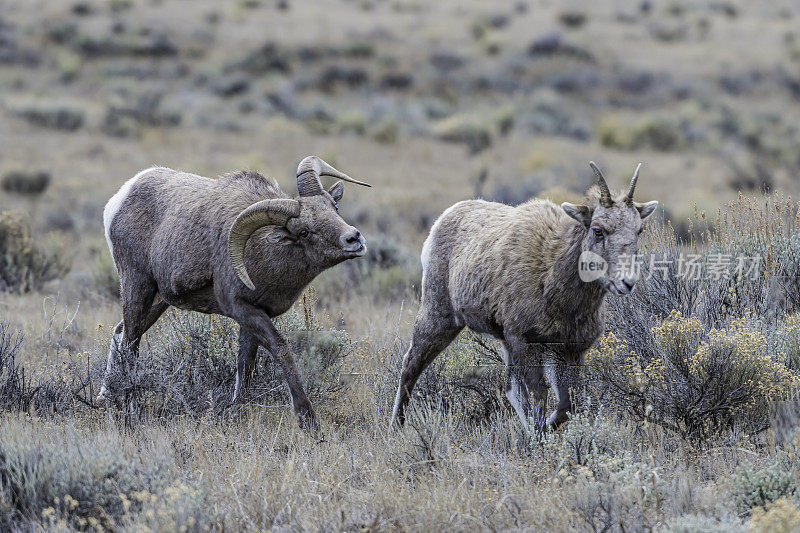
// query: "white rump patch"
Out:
[425,257]
[115,202]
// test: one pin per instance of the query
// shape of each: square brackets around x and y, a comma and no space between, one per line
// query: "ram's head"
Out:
[311,221]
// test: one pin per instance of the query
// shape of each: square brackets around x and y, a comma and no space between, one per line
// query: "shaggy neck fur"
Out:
[564,288]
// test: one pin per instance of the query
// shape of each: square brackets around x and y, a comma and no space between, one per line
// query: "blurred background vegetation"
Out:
[431,102]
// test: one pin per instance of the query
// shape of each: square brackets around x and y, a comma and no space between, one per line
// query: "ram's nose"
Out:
[353,242]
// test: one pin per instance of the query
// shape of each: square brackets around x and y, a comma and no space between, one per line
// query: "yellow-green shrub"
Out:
[693,379]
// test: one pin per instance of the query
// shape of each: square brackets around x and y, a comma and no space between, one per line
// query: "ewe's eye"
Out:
[598,233]
[303,233]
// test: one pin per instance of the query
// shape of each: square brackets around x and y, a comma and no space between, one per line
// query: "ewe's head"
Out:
[310,222]
[613,226]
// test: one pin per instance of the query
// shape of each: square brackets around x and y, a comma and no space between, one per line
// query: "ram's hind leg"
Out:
[432,334]
[139,314]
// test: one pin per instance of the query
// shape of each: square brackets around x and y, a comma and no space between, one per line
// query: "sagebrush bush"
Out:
[698,354]
[588,437]
[782,516]
[67,481]
[25,182]
[752,488]
[55,116]
[188,363]
[704,524]
[24,265]
[104,276]
[693,380]
[61,385]
[14,390]
[604,486]
[388,272]
[468,379]
[44,480]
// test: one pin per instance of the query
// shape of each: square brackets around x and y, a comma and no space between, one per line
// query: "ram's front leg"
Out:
[258,324]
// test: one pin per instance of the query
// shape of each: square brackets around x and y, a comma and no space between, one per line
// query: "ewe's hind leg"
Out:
[432,334]
[246,362]
[138,315]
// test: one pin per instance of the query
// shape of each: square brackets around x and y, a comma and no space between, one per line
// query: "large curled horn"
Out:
[309,171]
[605,194]
[635,178]
[273,212]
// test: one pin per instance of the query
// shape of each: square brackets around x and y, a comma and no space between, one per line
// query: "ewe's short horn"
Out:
[273,212]
[633,183]
[605,194]
[309,171]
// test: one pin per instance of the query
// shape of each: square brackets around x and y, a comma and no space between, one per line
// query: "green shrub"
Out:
[105,279]
[24,266]
[699,354]
[587,437]
[572,19]
[651,133]
[691,379]
[54,116]
[25,182]
[781,516]
[387,131]
[466,130]
[755,488]
[704,524]
[49,480]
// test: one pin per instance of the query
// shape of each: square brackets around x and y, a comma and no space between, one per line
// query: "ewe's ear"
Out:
[279,235]
[645,210]
[581,213]
[337,191]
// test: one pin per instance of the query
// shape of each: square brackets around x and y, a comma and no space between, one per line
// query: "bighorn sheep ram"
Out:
[513,272]
[237,246]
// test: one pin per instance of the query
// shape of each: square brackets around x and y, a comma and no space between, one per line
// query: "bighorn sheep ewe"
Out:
[513,272]
[237,246]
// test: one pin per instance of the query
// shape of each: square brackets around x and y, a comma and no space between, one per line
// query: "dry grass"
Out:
[431,102]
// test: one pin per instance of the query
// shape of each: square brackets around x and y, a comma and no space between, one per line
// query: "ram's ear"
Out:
[279,235]
[645,210]
[337,191]
[581,213]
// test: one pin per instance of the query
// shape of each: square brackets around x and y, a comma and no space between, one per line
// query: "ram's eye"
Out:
[303,233]
[599,233]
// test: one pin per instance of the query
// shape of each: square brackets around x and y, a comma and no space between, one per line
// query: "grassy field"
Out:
[431,102]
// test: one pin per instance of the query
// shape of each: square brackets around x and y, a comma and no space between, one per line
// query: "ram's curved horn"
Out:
[605,193]
[309,171]
[273,212]
[633,183]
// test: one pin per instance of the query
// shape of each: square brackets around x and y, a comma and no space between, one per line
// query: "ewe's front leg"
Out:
[259,325]
[565,377]
[525,375]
